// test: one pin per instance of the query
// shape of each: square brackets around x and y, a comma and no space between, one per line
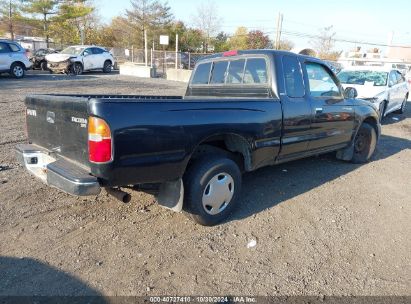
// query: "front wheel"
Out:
[108,67]
[77,69]
[17,70]
[364,144]
[212,187]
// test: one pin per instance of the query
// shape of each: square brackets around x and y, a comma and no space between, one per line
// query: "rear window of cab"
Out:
[234,71]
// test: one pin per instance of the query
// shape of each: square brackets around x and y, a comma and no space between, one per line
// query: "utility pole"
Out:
[176,51]
[11,30]
[279,30]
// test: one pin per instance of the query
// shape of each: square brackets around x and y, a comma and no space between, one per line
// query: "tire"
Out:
[365,143]
[43,66]
[403,106]
[108,67]
[77,69]
[209,173]
[17,70]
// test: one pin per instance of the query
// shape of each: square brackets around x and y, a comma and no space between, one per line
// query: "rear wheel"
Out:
[364,144]
[17,70]
[212,186]
[108,67]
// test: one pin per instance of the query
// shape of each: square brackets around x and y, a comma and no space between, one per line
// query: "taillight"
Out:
[99,141]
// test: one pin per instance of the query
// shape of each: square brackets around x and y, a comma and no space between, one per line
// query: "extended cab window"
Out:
[219,72]
[321,81]
[256,71]
[236,72]
[202,73]
[293,77]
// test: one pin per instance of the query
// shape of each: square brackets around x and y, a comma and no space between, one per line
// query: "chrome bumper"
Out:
[58,173]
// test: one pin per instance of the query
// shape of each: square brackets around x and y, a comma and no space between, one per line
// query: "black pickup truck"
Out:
[242,111]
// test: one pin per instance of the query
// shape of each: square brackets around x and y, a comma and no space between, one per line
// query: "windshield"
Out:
[72,50]
[364,77]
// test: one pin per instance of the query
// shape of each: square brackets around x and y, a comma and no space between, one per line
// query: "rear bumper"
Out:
[59,173]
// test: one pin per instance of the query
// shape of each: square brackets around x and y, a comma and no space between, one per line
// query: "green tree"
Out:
[43,9]
[257,40]
[240,39]
[74,22]
[152,16]
[221,42]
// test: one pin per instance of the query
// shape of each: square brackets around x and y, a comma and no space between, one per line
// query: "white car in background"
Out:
[385,87]
[77,59]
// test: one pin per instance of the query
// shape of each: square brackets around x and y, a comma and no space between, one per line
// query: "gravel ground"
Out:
[321,226]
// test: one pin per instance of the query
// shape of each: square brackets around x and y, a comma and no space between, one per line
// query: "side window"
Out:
[87,52]
[4,48]
[202,74]
[256,71]
[41,52]
[14,47]
[219,72]
[97,51]
[293,77]
[235,72]
[322,83]
[400,78]
[393,79]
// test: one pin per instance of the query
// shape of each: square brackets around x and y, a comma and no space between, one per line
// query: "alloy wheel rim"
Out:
[18,71]
[360,142]
[218,193]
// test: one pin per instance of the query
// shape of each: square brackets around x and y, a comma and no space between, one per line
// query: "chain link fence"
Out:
[160,60]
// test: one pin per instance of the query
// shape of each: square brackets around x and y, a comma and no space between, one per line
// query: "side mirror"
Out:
[350,93]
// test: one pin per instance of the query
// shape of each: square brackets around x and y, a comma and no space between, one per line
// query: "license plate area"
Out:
[37,163]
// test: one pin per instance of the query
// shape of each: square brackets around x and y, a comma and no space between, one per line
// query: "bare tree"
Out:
[208,21]
[324,44]
[286,45]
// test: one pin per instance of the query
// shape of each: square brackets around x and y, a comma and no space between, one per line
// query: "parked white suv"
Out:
[77,59]
[385,87]
[13,59]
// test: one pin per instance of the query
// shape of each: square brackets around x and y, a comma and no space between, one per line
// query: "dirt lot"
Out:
[322,226]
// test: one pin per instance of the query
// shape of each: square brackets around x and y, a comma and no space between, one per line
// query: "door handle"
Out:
[318,110]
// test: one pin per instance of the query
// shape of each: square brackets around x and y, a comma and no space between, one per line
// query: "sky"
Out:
[355,20]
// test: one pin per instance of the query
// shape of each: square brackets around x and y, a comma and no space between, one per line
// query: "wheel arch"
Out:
[233,144]
[373,122]
[19,62]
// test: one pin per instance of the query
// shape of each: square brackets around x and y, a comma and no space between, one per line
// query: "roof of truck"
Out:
[251,52]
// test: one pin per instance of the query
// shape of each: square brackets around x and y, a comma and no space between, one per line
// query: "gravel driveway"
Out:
[319,226]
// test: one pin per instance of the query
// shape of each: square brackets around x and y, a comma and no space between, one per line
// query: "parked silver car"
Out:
[385,87]
[13,59]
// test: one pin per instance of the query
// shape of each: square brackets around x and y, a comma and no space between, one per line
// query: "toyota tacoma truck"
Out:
[242,110]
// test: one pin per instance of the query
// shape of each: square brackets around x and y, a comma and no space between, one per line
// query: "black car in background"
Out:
[38,58]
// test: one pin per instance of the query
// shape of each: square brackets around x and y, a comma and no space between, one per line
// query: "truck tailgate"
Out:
[59,124]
